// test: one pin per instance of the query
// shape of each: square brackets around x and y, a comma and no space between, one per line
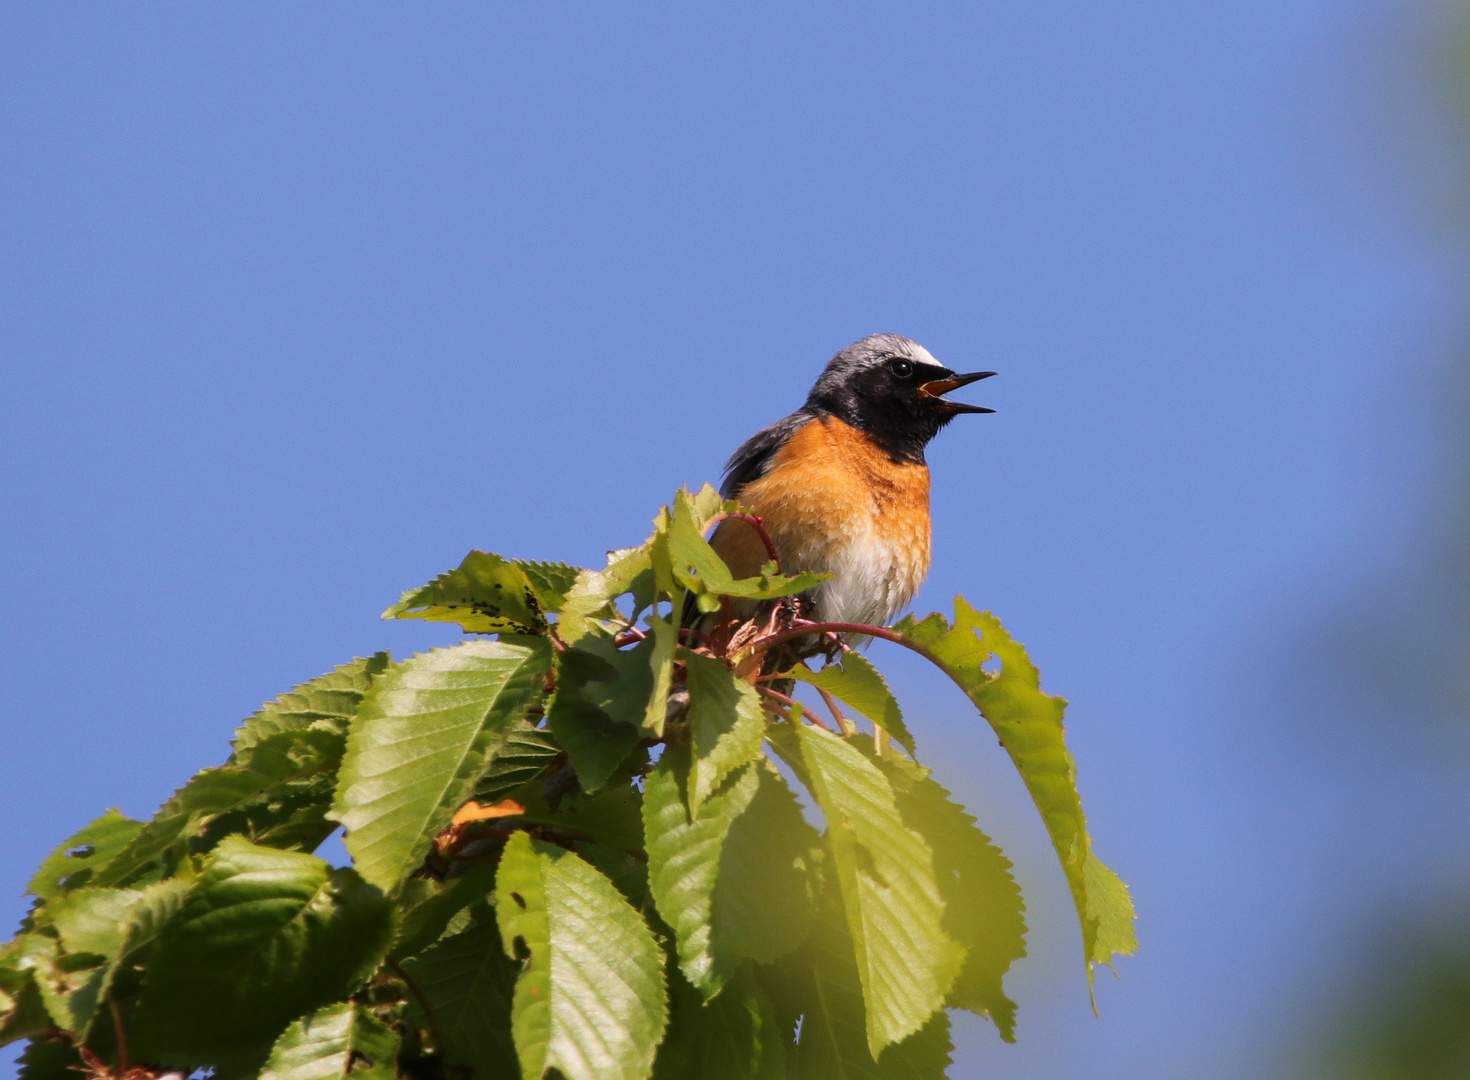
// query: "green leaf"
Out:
[858,683]
[422,923]
[590,998]
[726,723]
[524,755]
[100,930]
[589,601]
[466,981]
[339,1040]
[263,937]
[894,911]
[982,903]
[76,862]
[50,1059]
[665,637]
[611,815]
[281,779]
[731,879]
[22,1012]
[601,697]
[734,1037]
[422,738]
[485,594]
[1029,725]
[834,1042]
[764,893]
[696,566]
[551,580]
[326,703]
[684,863]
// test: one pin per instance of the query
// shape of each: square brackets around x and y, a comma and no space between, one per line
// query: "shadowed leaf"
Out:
[263,937]
[467,981]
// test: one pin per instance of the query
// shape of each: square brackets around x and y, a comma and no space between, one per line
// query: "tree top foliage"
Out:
[576,850]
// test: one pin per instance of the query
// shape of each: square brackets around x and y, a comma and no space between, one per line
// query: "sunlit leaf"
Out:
[336,1041]
[891,900]
[684,862]
[857,682]
[726,722]
[551,581]
[421,739]
[589,601]
[263,937]
[982,903]
[485,594]
[590,997]
[697,567]
[1029,725]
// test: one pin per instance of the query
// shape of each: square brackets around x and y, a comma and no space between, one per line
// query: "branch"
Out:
[758,523]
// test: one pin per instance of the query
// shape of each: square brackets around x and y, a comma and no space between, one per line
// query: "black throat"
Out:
[900,426]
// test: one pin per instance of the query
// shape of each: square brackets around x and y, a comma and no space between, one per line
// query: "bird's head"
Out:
[892,389]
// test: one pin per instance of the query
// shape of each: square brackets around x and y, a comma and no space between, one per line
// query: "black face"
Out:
[897,400]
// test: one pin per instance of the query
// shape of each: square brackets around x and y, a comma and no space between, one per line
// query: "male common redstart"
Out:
[841,483]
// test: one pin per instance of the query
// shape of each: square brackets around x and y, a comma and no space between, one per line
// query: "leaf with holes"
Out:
[485,594]
[421,739]
[590,998]
[1029,725]
[589,602]
[890,898]
[77,861]
[337,1041]
[263,937]
[267,786]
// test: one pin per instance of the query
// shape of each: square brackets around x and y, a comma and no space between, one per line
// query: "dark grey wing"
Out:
[753,458]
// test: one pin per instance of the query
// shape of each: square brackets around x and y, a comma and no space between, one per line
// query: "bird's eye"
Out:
[901,368]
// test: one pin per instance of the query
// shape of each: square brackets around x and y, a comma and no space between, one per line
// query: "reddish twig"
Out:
[847,726]
[784,700]
[756,522]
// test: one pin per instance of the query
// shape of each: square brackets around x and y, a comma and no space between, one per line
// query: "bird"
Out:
[842,486]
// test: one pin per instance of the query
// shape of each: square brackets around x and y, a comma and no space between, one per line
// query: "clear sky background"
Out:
[299,303]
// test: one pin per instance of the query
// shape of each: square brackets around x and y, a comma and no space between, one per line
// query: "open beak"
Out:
[939,387]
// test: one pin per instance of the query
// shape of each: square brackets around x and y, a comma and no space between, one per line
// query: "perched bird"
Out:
[841,483]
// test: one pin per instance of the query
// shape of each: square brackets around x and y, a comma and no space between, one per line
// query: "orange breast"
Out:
[834,502]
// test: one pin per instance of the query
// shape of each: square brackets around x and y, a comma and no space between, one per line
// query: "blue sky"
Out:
[300,303]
